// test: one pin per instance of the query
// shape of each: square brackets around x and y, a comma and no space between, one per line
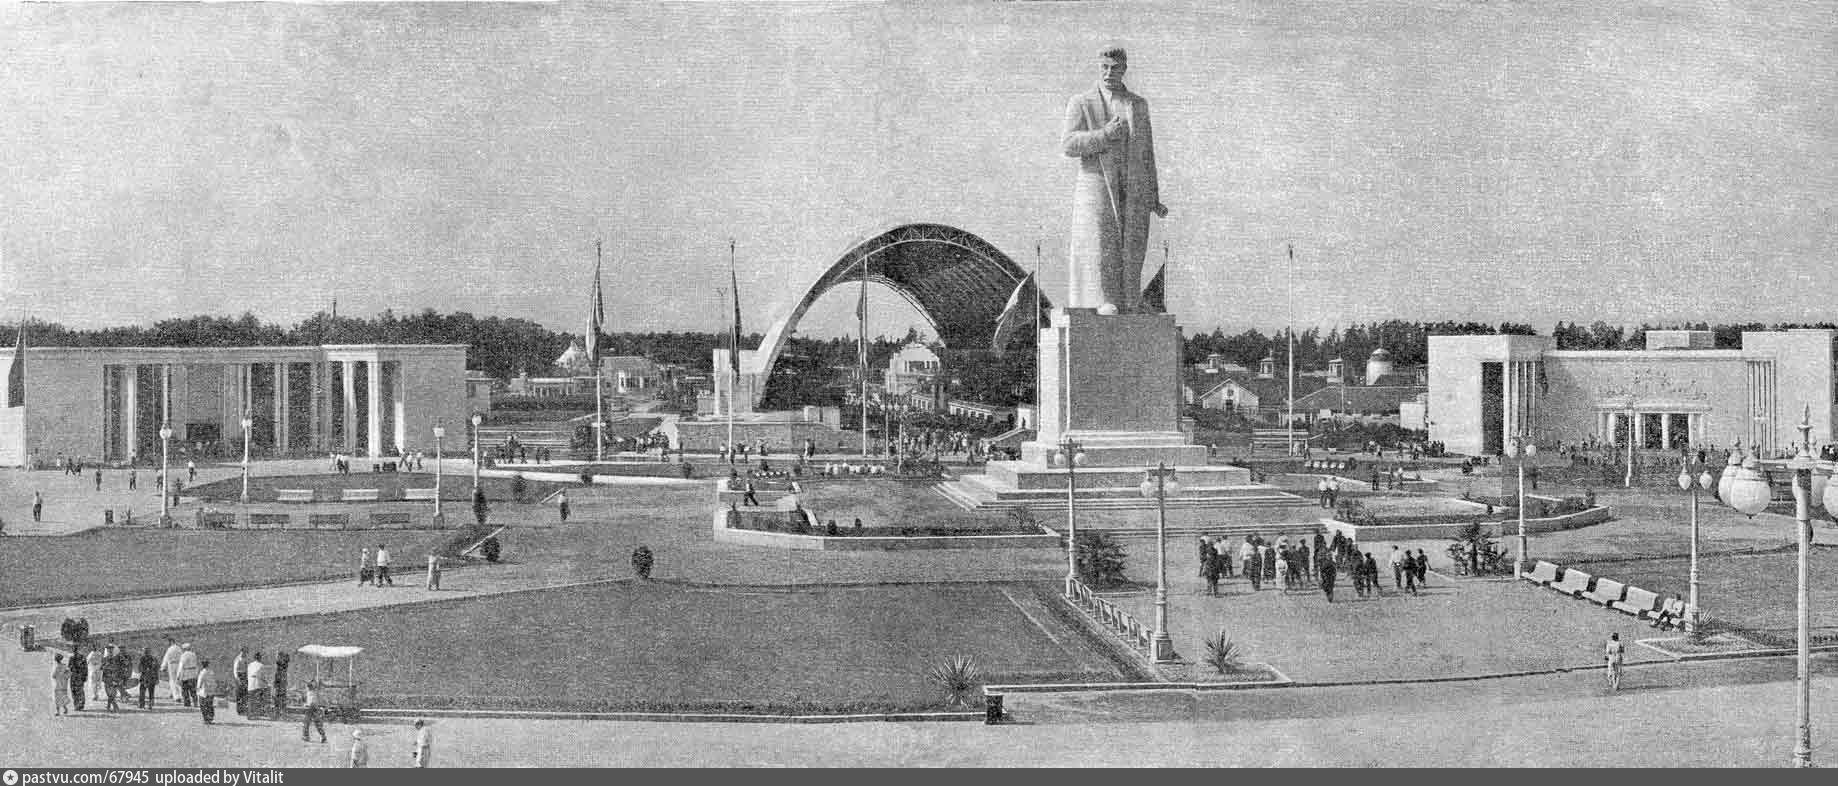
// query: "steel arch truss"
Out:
[956,280]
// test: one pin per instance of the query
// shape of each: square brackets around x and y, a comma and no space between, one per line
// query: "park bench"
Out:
[269,520]
[1543,573]
[215,520]
[1640,603]
[1574,583]
[1673,609]
[293,495]
[1606,591]
[328,520]
[418,495]
[358,495]
[392,520]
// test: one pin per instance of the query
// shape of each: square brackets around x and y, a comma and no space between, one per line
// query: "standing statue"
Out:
[1107,129]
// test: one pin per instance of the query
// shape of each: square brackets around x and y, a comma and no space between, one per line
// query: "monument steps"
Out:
[970,494]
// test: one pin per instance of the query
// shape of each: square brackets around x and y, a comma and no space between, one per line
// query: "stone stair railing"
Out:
[1110,617]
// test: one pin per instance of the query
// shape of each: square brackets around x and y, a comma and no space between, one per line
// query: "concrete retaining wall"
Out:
[1595,515]
[786,540]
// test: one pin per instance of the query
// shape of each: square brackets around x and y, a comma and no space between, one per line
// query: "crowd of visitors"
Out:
[1306,565]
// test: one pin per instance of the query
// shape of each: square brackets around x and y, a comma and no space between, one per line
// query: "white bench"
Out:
[293,495]
[1640,603]
[358,495]
[418,495]
[1543,573]
[1574,583]
[1606,591]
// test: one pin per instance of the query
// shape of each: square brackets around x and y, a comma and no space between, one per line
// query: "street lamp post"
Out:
[476,420]
[165,475]
[1749,495]
[1071,454]
[1693,484]
[1162,645]
[1523,446]
[248,423]
[440,432]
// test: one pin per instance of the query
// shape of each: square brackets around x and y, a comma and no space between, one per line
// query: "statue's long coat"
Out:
[1112,199]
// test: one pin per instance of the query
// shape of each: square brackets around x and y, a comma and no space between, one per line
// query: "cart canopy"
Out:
[330,652]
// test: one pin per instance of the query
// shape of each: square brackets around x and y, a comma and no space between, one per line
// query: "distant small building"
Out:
[911,367]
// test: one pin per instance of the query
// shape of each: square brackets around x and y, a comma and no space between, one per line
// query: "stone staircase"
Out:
[976,493]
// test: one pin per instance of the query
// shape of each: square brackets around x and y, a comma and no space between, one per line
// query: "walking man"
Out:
[310,717]
[207,692]
[95,663]
[239,672]
[38,506]
[169,662]
[1397,568]
[132,479]
[1614,653]
[360,753]
[433,571]
[98,478]
[383,566]
[188,674]
[561,505]
[149,668]
[260,693]
[191,471]
[366,567]
[750,499]
[424,744]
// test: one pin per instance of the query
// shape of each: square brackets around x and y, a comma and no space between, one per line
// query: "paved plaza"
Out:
[1466,628]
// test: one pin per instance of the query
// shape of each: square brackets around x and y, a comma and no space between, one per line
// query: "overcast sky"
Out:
[1524,161]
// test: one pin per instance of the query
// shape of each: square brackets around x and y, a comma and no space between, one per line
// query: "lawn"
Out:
[119,563]
[1753,591]
[893,503]
[455,486]
[647,645]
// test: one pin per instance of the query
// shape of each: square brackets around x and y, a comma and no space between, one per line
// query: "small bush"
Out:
[1223,655]
[959,677]
[1100,559]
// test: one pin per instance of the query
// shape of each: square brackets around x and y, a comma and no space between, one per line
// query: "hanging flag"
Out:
[1023,307]
[734,345]
[16,374]
[1154,296]
[597,317]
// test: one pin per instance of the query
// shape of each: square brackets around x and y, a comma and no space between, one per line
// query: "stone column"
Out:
[373,406]
[348,439]
[278,393]
[131,424]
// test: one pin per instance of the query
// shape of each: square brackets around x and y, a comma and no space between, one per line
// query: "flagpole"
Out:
[593,359]
[1289,421]
[861,351]
[734,348]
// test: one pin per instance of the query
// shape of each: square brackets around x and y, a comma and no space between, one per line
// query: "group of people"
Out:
[373,567]
[104,673]
[257,688]
[1302,565]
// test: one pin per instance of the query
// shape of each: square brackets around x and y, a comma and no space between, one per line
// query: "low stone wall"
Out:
[786,540]
[1389,532]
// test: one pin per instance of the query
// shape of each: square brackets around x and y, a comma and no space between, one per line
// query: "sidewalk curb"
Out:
[338,578]
[674,717]
[310,614]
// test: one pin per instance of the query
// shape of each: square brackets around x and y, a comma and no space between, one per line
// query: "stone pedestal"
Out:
[1113,384]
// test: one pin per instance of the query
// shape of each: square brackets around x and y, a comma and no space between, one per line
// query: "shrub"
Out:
[958,676]
[519,486]
[642,562]
[1476,552]
[490,549]
[1100,559]
[1223,655]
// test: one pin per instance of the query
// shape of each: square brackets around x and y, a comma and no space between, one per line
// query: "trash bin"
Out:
[992,709]
[27,639]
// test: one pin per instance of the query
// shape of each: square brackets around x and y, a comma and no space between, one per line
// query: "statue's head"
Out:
[1112,62]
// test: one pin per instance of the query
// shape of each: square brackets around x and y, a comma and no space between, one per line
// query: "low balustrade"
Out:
[1112,618]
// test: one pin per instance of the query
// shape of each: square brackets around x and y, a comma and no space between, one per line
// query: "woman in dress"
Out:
[60,687]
